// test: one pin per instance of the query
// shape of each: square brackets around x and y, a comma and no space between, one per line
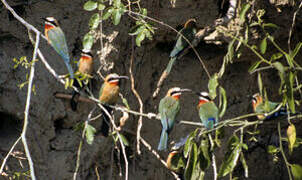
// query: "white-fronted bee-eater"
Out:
[168,110]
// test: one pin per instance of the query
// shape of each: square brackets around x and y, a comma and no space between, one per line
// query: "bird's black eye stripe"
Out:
[174,92]
[110,79]
[254,99]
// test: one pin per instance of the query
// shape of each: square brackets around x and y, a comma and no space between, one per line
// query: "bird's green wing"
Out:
[208,111]
[101,90]
[271,106]
[58,41]
[168,109]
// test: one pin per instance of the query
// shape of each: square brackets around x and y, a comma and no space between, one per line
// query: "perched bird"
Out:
[259,107]
[85,66]
[208,111]
[168,110]
[108,95]
[56,39]
[188,31]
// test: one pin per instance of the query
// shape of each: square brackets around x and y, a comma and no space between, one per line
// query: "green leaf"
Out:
[296,50]
[108,12]
[254,66]
[117,3]
[90,5]
[177,162]
[272,149]
[245,8]
[231,158]
[94,21]
[244,164]
[276,56]
[263,46]
[139,38]
[101,7]
[289,60]
[296,171]
[88,41]
[270,25]
[124,140]
[116,17]
[144,11]
[222,102]
[205,160]
[187,147]
[260,85]
[125,102]
[291,136]
[90,131]
[279,67]
[138,30]
[191,163]
[212,85]
[67,83]
[290,92]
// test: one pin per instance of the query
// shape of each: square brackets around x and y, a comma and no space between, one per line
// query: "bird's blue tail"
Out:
[175,52]
[163,140]
[70,70]
[170,64]
[211,123]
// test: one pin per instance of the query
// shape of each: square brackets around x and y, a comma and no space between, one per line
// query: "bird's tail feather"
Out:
[106,122]
[170,64]
[74,100]
[70,70]
[75,96]
[163,140]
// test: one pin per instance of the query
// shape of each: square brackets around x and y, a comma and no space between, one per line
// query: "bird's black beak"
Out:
[186,90]
[44,18]
[123,77]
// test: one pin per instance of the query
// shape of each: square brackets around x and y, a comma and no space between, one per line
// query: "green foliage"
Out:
[231,157]
[23,62]
[296,171]
[142,29]
[89,133]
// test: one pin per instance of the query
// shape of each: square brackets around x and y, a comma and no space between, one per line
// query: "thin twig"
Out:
[119,137]
[97,172]
[149,147]
[292,27]
[8,154]
[26,112]
[140,120]
[81,144]
[282,152]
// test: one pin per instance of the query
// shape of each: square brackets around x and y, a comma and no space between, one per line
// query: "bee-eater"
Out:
[56,39]
[188,31]
[108,95]
[259,107]
[208,111]
[168,110]
[85,66]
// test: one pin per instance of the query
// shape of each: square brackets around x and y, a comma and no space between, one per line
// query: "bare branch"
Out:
[140,120]
[292,27]
[81,144]
[26,112]
[8,154]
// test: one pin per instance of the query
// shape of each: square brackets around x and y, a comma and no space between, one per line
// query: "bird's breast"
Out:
[85,67]
[109,94]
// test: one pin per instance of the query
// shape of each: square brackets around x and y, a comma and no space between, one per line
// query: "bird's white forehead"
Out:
[50,18]
[204,93]
[175,89]
[256,95]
